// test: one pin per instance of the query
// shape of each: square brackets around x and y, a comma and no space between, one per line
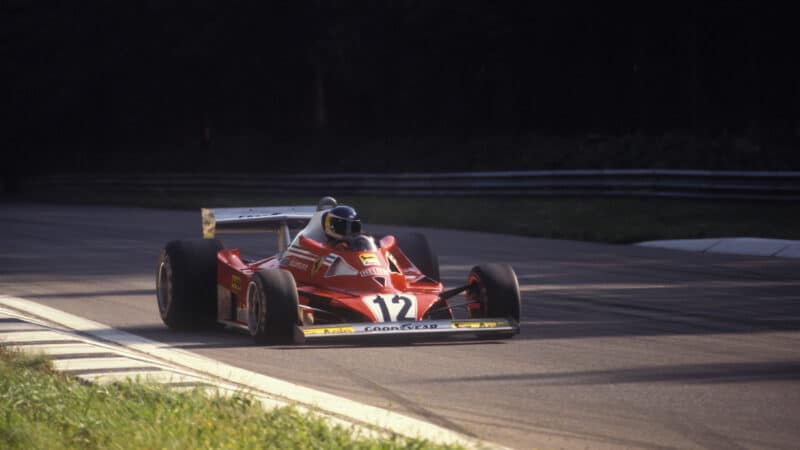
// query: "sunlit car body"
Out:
[316,290]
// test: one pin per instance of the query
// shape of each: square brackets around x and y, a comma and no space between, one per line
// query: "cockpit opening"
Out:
[361,242]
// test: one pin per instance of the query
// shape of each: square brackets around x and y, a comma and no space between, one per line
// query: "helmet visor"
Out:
[340,228]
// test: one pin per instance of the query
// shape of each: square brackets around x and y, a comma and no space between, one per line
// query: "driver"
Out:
[341,224]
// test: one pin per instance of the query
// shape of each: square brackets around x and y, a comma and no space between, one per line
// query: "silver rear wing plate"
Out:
[270,218]
[279,219]
[410,330]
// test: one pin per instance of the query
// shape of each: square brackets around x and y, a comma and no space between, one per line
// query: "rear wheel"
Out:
[272,306]
[186,283]
[495,291]
[418,250]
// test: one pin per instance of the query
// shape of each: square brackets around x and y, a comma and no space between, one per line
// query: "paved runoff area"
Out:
[620,346]
[96,353]
[780,248]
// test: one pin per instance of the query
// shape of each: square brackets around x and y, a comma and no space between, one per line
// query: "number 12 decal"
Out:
[395,309]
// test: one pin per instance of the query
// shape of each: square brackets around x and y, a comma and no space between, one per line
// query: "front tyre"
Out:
[272,306]
[494,292]
[186,283]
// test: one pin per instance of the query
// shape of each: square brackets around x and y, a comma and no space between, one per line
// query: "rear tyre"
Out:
[186,283]
[418,250]
[494,287]
[272,306]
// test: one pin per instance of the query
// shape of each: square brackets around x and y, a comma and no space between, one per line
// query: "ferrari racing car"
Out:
[330,281]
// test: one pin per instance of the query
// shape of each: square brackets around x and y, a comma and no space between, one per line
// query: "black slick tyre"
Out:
[416,247]
[186,283]
[496,289]
[272,306]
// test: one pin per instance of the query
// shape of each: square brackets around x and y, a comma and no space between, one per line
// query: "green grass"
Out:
[602,219]
[42,409]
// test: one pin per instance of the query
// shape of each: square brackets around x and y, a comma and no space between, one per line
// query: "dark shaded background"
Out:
[397,86]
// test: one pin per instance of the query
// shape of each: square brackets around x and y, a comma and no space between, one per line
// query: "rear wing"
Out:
[278,219]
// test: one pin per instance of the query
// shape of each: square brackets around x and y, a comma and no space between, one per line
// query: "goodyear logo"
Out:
[369,259]
[236,283]
[480,324]
[327,330]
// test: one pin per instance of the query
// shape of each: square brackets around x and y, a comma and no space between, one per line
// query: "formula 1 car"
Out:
[312,291]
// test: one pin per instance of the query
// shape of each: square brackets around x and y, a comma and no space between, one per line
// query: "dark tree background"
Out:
[397,85]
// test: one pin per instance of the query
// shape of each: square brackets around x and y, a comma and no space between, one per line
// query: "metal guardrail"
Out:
[780,186]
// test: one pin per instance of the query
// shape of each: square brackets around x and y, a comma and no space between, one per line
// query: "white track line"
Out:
[82,364]
[62,350]
[321,401]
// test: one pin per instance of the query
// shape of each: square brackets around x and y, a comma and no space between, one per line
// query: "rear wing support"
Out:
[284,238]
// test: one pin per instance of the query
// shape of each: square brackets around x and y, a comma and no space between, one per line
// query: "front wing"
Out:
[409,330]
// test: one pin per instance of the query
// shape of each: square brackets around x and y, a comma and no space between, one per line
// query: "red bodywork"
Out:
[327,296]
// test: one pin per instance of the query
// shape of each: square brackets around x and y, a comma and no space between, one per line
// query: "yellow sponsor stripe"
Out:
[209,223]
[368,259]
[329,330]
[236,283]
[481,324]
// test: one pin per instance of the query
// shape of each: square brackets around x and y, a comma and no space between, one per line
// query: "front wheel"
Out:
[272,306]
[494,292]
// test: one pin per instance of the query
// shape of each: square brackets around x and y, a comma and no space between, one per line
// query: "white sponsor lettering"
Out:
[297,264]
[373,271]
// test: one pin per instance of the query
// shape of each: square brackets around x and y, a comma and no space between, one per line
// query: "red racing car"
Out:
[330,282]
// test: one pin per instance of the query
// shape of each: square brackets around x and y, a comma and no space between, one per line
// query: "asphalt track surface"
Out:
[621,346]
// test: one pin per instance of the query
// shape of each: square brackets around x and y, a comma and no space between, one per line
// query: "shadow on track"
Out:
[711,373]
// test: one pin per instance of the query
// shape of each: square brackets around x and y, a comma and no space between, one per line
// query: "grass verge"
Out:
[40,408]
[601,219]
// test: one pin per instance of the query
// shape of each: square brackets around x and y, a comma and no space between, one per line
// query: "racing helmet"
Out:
[341,222]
